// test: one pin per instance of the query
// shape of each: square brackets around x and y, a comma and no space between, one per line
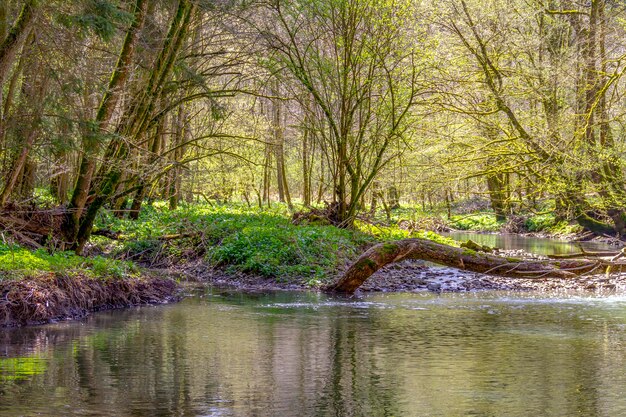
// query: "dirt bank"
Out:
[50,297]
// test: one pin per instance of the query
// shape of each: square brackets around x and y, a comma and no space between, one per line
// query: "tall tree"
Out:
[137,118]
[98,129]
[362,74]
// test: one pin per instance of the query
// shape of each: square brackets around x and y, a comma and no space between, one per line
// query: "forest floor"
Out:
[247,248]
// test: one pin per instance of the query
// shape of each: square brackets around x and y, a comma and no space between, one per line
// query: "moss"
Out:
[513,259]
[365,264]
[388,248]
[469,252]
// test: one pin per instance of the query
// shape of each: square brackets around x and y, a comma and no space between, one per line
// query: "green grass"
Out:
[239,238]
[16,262]
[251,240]
[235,237]
[548,223]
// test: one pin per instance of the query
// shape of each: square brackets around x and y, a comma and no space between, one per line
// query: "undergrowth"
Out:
[251,240]
[16,262]
[479,221]
[548,223]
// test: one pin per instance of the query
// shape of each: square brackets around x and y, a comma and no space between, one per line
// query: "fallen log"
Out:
[585,254]
[465,259]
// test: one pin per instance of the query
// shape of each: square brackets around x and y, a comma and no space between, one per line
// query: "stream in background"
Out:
[538,245]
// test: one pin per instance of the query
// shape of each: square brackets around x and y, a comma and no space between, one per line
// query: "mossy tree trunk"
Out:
[385,253]
[136,120]
[92,139]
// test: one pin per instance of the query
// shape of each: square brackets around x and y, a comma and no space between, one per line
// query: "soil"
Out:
[47,298]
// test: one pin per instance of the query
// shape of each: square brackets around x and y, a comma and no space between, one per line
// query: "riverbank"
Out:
[38,287]
[47,298]
[50,297]
[410,276]
[133,262]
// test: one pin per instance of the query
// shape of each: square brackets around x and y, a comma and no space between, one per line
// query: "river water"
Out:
[220,353]
[538,245]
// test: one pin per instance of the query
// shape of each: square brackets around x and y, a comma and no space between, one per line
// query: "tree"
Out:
[98,128]
[551,83]
[361,72]
[136,120]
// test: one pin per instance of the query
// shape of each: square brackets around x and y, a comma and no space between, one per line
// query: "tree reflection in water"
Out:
[302,354]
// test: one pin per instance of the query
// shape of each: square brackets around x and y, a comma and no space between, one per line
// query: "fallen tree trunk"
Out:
[385,253]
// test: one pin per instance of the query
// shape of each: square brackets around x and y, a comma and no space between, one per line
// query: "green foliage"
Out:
[251,240]
[383,233]
[100,17]
[436,238]
[286,251]
[19,261]
[480,221]
[234,236]
[540,222]
[548,223]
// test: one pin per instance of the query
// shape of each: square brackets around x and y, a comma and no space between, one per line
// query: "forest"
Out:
[283,137]
[312,208]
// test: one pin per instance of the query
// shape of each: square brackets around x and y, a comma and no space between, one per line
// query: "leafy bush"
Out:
[252,240]
[286,251]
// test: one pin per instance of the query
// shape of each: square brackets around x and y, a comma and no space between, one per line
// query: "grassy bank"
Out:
[40,287]
[546,224]
[474,215]
[236,238]
[43,285]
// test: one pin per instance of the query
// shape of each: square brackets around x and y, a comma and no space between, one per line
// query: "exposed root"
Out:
[51,297]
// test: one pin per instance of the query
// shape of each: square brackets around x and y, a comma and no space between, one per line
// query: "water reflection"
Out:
[541,246]
[286,354]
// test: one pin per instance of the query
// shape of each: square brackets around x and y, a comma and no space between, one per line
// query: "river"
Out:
[221,353]
[538,245]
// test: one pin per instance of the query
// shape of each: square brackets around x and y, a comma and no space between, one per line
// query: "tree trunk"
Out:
[278,141]
[385,253]
[496,184]
[155,151]
[16,37]
[137,117]
[4,11]
[30,110]
[267,164]
[4,16]
[91,140]
[306,173]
